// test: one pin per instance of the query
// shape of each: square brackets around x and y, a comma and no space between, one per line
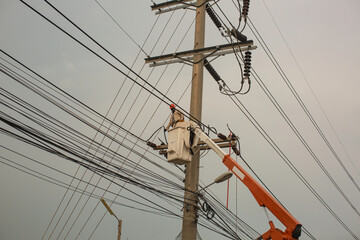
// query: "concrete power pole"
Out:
[189,227]
[196,56]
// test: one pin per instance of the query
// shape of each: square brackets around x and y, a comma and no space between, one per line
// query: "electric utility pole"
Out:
[189,226]
[195,57]
[112,213]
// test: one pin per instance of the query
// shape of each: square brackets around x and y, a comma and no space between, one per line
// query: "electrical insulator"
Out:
[236,151]
[153,145]
[211,70]
[245,9]
[222,136]
[247,63]
[213,16]
[239,36]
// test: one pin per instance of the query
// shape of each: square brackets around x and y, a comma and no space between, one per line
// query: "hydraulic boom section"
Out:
[264,199]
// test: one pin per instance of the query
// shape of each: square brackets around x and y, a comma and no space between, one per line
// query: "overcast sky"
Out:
[321,59]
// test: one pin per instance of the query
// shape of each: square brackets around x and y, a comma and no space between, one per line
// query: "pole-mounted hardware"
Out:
[187,56]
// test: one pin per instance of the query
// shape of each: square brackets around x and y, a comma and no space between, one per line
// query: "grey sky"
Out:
[323,37]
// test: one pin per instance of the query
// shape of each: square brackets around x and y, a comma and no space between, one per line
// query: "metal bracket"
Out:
[187,56]
[222,143]
[168,4]
[184,5]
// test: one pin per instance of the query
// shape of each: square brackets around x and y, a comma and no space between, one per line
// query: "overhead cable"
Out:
[122,29]
[304,142]
[133,122]
[93,169]
[64,185]
[352,206]
[140,110]
[318,102]
[168,100]
[288,162]
[70,96]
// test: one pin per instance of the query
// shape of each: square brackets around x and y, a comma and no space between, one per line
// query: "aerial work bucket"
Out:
[178,147]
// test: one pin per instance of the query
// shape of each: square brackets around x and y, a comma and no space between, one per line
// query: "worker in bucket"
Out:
[176,116]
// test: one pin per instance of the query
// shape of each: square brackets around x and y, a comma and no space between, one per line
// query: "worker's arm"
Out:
[170,123]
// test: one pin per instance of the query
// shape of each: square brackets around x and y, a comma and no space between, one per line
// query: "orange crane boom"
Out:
[264,199]
[261,195]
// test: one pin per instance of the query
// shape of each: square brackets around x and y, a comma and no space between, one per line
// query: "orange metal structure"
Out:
[264,199]
[262,196]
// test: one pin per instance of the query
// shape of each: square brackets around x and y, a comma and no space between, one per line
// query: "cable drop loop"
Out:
[210,214]
[148,140]
[205,206]
[238,35]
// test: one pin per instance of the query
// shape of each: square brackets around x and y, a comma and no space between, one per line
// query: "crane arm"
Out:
[263,197]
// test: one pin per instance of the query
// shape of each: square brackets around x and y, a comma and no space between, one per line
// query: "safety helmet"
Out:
[172,106]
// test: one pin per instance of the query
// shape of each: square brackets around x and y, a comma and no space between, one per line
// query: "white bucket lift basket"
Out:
[179,144]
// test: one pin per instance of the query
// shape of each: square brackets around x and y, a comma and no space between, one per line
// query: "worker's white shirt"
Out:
[174,118]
